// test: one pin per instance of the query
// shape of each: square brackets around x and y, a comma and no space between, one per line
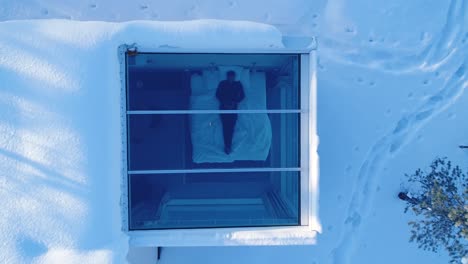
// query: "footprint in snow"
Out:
[348,169]
[232,4]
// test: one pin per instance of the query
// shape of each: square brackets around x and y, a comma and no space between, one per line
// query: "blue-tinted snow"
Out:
[392,96]
[60,141]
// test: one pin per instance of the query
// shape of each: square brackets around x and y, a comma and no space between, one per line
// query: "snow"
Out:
[392,96]
[266,236]
[60,123]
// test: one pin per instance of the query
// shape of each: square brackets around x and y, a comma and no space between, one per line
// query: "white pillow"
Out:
[224,69]
[257,93]
[211,79]
[197,84]
[245,80]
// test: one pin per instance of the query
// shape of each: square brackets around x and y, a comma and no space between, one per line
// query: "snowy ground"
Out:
[392,96]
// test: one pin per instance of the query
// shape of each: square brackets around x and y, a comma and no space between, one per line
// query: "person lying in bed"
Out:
[229,93]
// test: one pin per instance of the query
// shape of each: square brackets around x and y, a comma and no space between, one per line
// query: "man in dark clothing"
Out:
[229,93]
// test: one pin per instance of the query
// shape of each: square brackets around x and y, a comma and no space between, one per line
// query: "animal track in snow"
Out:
[232,4]
[348,169]
[431,57]
[350,30]
[425,37]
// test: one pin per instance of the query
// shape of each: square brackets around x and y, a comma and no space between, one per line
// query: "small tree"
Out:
[441,206]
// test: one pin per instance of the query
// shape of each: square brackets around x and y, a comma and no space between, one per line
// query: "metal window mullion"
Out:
[175,112]
[305,140]
[212,170]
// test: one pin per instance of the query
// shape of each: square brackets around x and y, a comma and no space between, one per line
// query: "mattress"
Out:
[252,134]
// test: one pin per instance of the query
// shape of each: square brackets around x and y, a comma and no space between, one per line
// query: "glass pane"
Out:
[183,141]
[160,201]
[193,81]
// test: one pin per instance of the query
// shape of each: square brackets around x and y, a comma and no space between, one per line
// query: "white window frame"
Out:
[309,225]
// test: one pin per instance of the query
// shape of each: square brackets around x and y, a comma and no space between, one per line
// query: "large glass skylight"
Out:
[213,140]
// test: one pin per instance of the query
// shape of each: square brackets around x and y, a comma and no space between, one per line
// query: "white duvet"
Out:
[252,134]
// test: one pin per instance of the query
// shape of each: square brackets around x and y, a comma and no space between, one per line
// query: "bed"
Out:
[252,134]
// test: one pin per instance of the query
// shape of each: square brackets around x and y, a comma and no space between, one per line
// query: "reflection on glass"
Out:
[161,201]
[191,141]
[205,115]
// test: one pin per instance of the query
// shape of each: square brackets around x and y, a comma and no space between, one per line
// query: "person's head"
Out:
[231,76]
